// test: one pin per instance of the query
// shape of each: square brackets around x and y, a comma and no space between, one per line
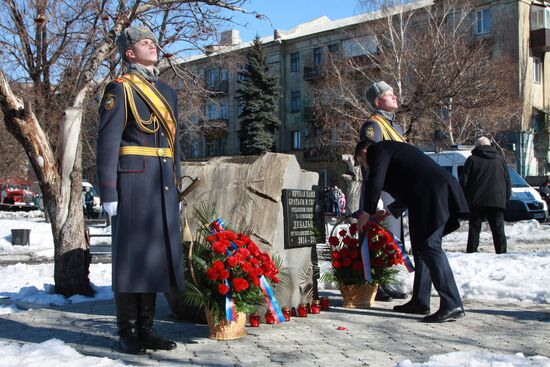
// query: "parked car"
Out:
[97,202]
[17,195]
[525,202]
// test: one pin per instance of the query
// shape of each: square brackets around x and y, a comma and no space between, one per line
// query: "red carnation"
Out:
[354,254]
[253,248]
[337,264]
[231,261]
[244,251]
[230,235]
[223,289]
[357,265]
[353,229]
[347,262]
[246,266]
[254,261]
[212,274]
[275,280]
[333,241]
[239,284]
[256,281]
[210,238]
[219,247]
[224,274]
[218,265]
[335,254]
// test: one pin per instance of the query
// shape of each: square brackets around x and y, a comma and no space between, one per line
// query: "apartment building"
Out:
[519,29]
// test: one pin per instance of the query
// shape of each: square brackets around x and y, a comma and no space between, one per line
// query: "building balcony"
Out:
[214,128]
[312,73]
[540,40]
[219,87]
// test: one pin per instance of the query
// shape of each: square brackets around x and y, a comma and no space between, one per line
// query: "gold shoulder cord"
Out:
[388,132]
[143,125]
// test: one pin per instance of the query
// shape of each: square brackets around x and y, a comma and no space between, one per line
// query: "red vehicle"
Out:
[16,195]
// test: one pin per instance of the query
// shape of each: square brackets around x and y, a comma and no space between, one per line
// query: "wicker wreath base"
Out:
[227,330]
[359,296]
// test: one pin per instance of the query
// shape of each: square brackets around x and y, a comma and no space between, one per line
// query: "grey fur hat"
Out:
[376,90]
[129,36]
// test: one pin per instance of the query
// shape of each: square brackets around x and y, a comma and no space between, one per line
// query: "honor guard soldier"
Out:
[380,126]
[138,168]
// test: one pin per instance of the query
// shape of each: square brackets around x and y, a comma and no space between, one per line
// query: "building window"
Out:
[537,70]
[211,77]
[317,56]
[240,109]
[223,111]
[240,71]
[483,21]
[195,149]
[211,112]
[295,101]
[296,143]
[333,48]
[294,62]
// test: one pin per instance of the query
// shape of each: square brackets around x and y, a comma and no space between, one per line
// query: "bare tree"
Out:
[64,50]
[448,80]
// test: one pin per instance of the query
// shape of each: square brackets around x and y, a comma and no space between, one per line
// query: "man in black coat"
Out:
[434,200]
[138,168]
[486,183]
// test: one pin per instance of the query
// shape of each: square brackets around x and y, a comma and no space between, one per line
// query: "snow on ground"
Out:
[479,359]
[514,277]
[51,353]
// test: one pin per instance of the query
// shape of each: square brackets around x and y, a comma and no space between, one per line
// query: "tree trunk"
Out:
[61,185]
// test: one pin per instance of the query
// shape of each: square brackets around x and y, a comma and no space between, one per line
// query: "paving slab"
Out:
[374,337]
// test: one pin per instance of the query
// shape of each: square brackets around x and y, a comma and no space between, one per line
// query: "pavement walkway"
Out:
[373,337]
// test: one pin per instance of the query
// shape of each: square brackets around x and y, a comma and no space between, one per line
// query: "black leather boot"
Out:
[127,310]
[149,339]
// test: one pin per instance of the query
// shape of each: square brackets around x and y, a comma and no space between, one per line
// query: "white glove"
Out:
[111,208]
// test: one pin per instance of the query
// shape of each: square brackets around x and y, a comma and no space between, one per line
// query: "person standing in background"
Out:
[486,183]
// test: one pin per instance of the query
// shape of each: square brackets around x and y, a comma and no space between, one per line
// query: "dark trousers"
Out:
[495,217]
[432,266]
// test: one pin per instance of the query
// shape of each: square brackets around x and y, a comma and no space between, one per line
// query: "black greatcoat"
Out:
[431,193]
[147,252]
[485,178]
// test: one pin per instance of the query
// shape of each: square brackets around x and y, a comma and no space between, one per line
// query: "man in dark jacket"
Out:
[138,169]
[434,200]
[486,182]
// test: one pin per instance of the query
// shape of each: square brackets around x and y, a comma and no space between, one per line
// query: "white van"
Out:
[525,202]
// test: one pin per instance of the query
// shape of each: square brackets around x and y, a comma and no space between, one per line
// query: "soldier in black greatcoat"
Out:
[434,200]
[138,168]
[382,125]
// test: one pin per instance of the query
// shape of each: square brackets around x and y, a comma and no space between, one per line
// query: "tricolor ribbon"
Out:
[230,312]
[408,263]
[271,301]
[366,258]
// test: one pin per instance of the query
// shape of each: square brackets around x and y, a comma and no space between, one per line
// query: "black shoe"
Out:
[130,344]
[150,340]
[411,307]
[382,296]
[393,293]
[444,316]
